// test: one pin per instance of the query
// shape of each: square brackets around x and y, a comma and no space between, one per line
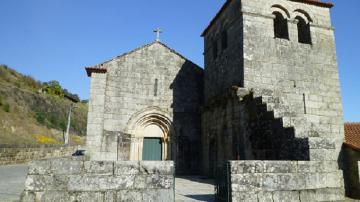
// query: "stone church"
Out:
[269,91]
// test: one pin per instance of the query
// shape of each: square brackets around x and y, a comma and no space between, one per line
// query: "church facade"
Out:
[269,90]
[145,105]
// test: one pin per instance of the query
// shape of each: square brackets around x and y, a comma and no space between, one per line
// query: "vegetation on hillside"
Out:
[32,112]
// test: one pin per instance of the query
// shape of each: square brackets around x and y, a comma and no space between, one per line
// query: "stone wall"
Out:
[298,82]
[77,179]
[275,181]
[238,126]
[149,86]
[16,155]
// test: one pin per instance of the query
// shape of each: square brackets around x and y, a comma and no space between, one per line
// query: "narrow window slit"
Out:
[304,100]
[156,87]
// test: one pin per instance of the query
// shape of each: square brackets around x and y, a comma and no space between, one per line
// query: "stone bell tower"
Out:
[280,56]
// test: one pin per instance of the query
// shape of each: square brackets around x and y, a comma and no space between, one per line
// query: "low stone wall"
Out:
[76,179]
[16,155]
[275,181]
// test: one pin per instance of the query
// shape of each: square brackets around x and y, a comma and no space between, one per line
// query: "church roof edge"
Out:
[101,69]
[227,3]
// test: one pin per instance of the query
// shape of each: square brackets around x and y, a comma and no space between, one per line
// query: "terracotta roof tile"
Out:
[352,135]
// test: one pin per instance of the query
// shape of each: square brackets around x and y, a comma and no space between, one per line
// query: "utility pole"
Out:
[66,139]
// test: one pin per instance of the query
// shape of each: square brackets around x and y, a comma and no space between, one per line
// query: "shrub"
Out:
[6,107]
[40,117]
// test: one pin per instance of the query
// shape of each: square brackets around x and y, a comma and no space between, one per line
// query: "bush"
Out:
[40,117]
[1,101]
[6,107]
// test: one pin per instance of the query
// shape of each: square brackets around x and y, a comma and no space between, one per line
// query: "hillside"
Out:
[35,113]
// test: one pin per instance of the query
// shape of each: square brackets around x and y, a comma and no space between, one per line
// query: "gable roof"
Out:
[100,68]
[227,3]
[352,135]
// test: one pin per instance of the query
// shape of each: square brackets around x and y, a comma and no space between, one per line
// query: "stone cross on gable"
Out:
[158,32]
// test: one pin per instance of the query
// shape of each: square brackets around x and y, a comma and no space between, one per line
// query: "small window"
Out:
[304,33]
[280,26]
[224,40]
[156,87]
[215,49]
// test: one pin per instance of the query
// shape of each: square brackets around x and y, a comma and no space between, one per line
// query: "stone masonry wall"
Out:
[224,66]
[150,77]
[16,155]
[303,77]
[277,181]
[79,180]
[298,82]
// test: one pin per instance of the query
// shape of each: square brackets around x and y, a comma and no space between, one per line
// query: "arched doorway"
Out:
[151,131]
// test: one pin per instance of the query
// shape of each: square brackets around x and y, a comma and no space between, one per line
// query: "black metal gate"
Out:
[223,183]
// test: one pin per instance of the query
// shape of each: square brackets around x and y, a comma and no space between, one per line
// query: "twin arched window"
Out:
[281,29]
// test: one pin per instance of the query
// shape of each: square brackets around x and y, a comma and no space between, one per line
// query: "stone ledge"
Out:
[239,167]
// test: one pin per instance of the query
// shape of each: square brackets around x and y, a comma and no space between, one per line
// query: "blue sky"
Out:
[56,39]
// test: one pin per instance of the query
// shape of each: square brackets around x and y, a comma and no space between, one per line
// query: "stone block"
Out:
[99,167]
[52,196]
[100,183]
[239,167]
[246,182]
[244,197]
[87,197]
[67,167]
[159,195]
[157,167]
[317,166]
[286,196]
[284,181]
[159,181]
[321,143]
[39,167]
[126,168]
[280,166]
[129,196]
[27,196]
[110,196]
[265,196]
[324,180]
[140,182]
[45,182]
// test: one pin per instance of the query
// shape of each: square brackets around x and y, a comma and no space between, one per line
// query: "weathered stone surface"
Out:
[52,196]
[100,183]
[24,155]
[161,195]
[67,166]
[96,181]
[156,167]
[129,195]
[39,167]
[286,196]
[87,197]
[99,167]
[126,168]
[27,197]
[110,196]
[159,181]
[280,166]
[244,197]
[265,196]
[285,181]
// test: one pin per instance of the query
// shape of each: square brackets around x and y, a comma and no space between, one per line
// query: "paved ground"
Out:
[193,188]
[12,180]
